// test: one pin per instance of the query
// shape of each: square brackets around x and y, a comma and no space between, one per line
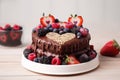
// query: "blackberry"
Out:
[41,32]
[45,59]
[57,20]
[84,58]
[26,52]
[78,35]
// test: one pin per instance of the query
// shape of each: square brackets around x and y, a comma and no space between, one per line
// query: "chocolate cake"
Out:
[59,43]
[10,36]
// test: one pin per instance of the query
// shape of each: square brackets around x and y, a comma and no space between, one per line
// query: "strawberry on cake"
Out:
[60,43]
[10,36]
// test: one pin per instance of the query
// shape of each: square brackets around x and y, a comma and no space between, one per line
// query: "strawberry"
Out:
[31,56]
[72,60]
[56,61]
[76,20]
[45,20]
[111,48]
[14,35]
[69,25]
[3,38]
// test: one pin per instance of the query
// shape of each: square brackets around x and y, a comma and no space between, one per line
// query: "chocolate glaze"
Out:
[47,45]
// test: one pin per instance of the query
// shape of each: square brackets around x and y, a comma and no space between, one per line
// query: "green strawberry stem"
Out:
[75,15]
[116,45]
[71,15]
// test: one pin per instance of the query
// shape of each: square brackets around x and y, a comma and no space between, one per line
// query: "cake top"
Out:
[51,25]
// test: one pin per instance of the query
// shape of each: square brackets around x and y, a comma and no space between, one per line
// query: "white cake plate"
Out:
[60,69]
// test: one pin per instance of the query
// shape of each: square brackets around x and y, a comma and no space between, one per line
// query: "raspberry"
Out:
[31,56]
[56,61]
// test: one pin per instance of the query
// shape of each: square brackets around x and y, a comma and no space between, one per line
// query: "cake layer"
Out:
[48,45]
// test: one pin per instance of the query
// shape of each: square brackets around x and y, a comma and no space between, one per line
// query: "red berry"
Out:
[72,60]
[84,32]
[92,54]
[56,61]
[16,27]
[7,25]
[55,25]
[39,26]
[31,56]
[111,48]
[69,25]
[1,28]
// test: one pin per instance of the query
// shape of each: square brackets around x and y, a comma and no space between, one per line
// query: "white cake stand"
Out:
[60,69]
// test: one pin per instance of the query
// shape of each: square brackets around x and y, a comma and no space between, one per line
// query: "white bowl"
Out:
[60,69]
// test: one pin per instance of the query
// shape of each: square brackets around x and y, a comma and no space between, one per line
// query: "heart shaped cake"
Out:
[60,43]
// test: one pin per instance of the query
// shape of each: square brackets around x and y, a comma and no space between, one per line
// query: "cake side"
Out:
[71,46]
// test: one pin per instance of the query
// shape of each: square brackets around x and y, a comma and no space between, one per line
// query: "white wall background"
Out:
[102,17]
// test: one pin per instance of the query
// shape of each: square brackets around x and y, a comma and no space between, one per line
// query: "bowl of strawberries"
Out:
[11,35]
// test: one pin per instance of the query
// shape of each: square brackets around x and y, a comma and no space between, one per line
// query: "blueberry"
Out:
[78,35]
[36,60]
[83,58]
[74,30]
[46,29]
[55,30]
[45,59]
[50,29]
[66,30]
[61,32]
[41,32]
[26,52]
[57,20]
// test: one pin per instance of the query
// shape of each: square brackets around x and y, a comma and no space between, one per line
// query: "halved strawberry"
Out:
[3,38]
[72,60]
[76,20]
[45,20]
[111,48]
[14,35]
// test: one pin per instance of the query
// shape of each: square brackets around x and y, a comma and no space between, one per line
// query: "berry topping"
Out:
[92,54]
[46,20]
[111,48]
[8,27]
[26,52]
[56,61]
[55,25]
[16,27]
[1,28]
[76,20]
[31,56]
[78,35]
[84,32]
[41,32]
[45,59]
[40,26]
[69,25]
[83,58]
[72,60]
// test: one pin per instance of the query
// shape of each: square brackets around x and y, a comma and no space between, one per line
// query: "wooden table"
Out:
[11,68]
